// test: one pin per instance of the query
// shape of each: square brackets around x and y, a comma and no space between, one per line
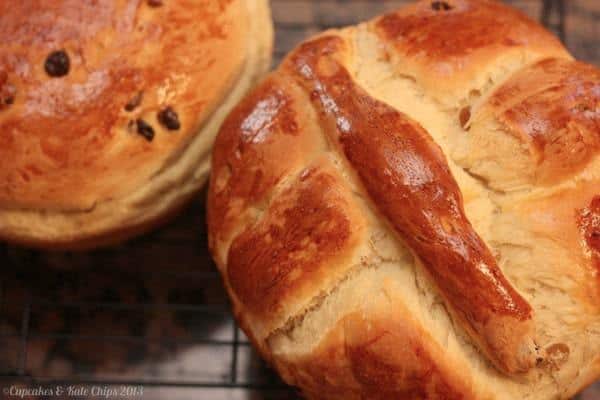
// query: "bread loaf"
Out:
[410,209]
[108,109]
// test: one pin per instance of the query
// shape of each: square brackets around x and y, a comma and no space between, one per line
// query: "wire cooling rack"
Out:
[149,315]
[150,318]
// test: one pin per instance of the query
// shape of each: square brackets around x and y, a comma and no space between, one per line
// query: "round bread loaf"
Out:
[108,110]
[410,209]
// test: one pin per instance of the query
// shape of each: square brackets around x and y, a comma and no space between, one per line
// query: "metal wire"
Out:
[554,17]
[25,334]
[29,260]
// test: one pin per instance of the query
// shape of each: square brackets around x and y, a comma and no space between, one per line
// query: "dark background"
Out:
[152,312]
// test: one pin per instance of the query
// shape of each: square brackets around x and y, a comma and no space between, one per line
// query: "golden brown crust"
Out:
[105,96]
[286,218]
[302,236]
[461,30]
[61,131]
[106,237]
[552,107]
[396,270]
[262,141]
[376,353]
[447,48]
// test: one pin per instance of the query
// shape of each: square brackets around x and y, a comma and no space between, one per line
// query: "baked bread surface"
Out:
[409,208]
[109,109]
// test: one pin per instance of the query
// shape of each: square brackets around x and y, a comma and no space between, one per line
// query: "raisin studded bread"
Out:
[108,110]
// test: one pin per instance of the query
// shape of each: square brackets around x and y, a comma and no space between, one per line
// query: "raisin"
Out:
[57,64]
[145,130]
[7,94]
[440,6]
[464,116]
[134,102]
[556,355]
[169,119]
[155,3]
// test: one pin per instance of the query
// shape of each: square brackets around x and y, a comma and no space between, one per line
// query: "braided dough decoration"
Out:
[410,208]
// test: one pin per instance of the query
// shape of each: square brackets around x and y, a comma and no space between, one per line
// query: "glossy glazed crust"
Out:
[449,50]
[73,143]
[355,214]
[308,232]
[551,107]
